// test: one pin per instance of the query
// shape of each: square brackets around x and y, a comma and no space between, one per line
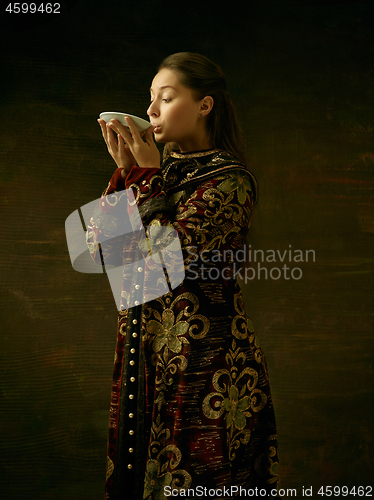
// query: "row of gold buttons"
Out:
[132,364]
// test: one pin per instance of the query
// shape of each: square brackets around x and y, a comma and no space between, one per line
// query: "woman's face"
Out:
[174,112]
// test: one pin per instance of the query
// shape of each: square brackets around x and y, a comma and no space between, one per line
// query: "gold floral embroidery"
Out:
[242,328]
[147,189]
[166,332]
[220,220]
[237,395]
[113,198]
[174,154]
[239,324]
[167,367]
[161,469]
[265,464]
[182,213]
[168,323]
[222,205]
[236,408]
[237,181]
[154,481]
[109,467]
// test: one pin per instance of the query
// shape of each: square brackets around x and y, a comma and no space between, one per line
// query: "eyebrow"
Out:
[164,87]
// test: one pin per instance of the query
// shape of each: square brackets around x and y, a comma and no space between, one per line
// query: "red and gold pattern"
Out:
[204,414]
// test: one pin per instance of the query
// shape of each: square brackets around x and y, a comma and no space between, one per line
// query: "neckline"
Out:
[193,154]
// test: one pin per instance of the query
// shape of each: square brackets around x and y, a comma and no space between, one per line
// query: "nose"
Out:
[152,109]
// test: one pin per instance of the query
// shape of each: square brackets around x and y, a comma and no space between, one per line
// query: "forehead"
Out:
[166,78]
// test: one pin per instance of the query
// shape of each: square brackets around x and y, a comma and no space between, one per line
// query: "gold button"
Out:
[129,466]
[137,287]
[134,321]
[131,396]
[131,415]
[132,362]
[136,302]
[134,335]
[103,203]
[140,269]
[131,450]
[131,433]
[132,350]
[132,379]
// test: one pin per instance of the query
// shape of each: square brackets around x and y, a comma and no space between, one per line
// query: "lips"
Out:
[156,129]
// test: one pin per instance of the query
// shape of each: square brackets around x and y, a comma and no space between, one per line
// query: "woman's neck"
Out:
[198,142]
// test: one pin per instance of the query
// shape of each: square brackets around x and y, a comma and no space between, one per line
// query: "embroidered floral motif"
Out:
[237,395]
[267,463]
[154,481]
[162,465]
[236,408]
[167,332]
[167,367]
[237,181]
[242,328]
[222,218]
[146,189]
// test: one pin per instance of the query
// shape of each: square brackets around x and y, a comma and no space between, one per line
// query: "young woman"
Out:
[191,406]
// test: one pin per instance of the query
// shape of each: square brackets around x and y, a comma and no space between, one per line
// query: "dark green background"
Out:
[301,76]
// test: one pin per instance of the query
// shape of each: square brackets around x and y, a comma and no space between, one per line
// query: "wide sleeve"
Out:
[103,231]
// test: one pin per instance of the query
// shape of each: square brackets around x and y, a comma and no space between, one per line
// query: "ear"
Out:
[206,105]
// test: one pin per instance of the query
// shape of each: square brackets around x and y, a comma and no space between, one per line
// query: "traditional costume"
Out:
[190,406]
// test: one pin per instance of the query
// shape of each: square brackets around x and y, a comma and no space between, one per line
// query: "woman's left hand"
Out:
[145,152]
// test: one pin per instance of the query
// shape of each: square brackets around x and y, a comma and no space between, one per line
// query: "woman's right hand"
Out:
[117,148]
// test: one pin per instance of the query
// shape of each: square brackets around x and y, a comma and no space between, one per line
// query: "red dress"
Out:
[191,405]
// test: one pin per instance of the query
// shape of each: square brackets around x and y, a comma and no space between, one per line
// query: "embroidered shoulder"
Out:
[238,181]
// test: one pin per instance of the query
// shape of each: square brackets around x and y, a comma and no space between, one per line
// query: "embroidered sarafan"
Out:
[190,405]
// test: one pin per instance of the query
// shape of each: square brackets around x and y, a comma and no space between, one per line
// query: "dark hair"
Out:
[205,78]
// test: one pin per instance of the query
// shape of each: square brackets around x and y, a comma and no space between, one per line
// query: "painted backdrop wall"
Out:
[301,76]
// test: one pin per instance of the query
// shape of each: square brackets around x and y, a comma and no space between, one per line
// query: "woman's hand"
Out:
[145,152]
[118,150]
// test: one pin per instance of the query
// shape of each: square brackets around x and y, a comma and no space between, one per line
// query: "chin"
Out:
[160,138]
[163,139]
[160,141]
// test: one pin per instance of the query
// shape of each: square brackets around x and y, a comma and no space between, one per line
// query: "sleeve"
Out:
[104,222]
